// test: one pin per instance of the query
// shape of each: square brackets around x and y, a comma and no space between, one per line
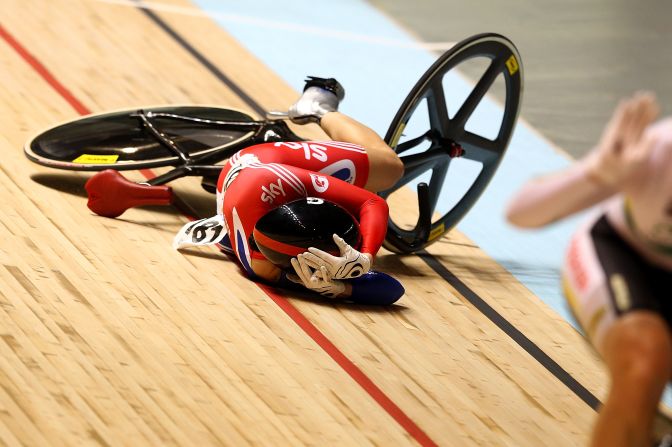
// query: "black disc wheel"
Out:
[451,139]
[141,138]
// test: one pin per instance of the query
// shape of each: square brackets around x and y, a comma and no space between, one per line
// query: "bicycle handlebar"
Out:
[275,115]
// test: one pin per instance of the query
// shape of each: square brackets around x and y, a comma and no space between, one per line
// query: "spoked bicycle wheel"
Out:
[141,138]
[451,139]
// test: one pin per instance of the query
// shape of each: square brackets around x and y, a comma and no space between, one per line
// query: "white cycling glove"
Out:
[317,281]
[351,263]
[320,97]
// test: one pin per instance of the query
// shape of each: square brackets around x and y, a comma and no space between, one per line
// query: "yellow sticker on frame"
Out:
[436,232]
[512,65]
[397,135]
[90,159]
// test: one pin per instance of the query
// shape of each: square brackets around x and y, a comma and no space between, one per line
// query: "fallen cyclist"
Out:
[305,212]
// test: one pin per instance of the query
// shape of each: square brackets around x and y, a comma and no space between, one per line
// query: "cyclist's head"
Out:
[290,229]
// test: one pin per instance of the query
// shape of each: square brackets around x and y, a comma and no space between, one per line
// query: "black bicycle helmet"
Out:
[290,229]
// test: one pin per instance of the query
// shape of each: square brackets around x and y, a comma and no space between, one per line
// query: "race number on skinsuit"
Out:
[201,232]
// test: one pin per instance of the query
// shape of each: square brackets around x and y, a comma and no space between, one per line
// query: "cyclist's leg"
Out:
[385,167]
[357,155]
[319,103]
[613,294]
[345,161]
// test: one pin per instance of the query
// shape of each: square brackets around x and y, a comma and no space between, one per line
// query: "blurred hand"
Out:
[624,146]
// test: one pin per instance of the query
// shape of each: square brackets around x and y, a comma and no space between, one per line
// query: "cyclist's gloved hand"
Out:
[320,96]
[351,263]
[317,281]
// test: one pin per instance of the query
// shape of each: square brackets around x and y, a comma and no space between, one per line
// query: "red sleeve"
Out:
[373,213]
[367,207]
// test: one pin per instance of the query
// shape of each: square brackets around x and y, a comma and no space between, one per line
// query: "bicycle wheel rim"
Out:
[504,62]
[82,158]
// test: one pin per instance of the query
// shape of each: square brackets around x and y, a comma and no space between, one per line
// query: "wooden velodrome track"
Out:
[108,336]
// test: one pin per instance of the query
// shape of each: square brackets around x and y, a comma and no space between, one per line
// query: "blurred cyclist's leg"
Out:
[620,300]
[638,352]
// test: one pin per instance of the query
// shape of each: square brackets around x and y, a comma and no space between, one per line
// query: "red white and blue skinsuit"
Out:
[262,177]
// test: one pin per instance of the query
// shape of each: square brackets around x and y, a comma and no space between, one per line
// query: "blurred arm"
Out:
[614,164]
[545,200]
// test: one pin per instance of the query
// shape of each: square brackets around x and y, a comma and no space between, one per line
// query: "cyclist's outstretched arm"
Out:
[545,200]
[608,169]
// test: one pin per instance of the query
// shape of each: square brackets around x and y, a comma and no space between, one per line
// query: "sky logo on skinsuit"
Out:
[343,170]
[320,182]
[310,150]
[273,190]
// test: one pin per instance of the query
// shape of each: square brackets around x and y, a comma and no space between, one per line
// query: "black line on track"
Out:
[509,329]
[535,351]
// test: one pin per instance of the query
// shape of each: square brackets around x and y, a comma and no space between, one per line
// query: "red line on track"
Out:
[42,71]
[353,371]
[292,312]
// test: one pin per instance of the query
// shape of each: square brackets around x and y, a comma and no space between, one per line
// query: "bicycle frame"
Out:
[205,165]
[277,130]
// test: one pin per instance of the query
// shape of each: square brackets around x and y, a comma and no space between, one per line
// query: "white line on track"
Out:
[266,24]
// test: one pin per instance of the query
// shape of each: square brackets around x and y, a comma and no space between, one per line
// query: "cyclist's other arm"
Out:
[370,210]
[544,200]
[266,270]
